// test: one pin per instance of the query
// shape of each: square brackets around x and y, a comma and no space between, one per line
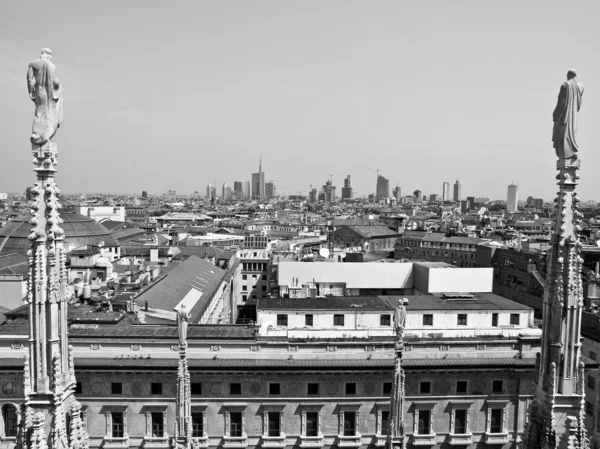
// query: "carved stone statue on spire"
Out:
[565,119]
[400,317]
[45,91]
[182,324]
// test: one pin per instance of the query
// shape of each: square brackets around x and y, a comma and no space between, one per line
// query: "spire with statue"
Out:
[396,430]
[50,416]
[557,411]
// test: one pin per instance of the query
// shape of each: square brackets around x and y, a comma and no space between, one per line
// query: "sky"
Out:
[175,95]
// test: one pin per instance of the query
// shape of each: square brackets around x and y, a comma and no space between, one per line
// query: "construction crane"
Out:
[376,169]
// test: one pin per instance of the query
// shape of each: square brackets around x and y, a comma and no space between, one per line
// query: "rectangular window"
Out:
[349,424]
[462,319]
[427,320]
[460,421]
[312,424]
[274,389]
[235,426]
[118,424]
[264,277]
[338,320]
[282,320]
[156,388]
[387,388]
[494,320]
[425,388]
[350,388]
[385,418]
[273,424]
[385,320]
[514,319]
[497,386]
[196,388]
[116,388]
[244,298]
[461,387]
[589,408]
[158,425]
[592,355]
[312,389]
[591,382]
[78,388]
[244,277]
[197,424]
[264,288]
[424,422]
[496,420]
[244,288]
[308,320]
[235,389]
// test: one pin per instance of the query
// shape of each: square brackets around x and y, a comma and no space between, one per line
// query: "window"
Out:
[158,425]
[591,382]
[235,389]
[385,424]
[349,423]
[424,422]
[494,320]
[514,319]
[235,426]
[338,320]
[156,388]
[496,420]
[312,389]
[460,421]
[385,320]
[425,388]
[244,288]
[497,386]
[78,388]
[244,298]
[274,389]
[312,423]
[592,355]
[264,277]
[282,320]
[387,388]
[351,388]
[427,320]
[308,320]
[462,319]
[197,424]
[9,415]
[273,424]
[589,408]
[116,388]
[118,424]
[264,288]
[461,387]
[196,388]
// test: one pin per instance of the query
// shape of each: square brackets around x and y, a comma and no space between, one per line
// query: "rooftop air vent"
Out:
[458,296]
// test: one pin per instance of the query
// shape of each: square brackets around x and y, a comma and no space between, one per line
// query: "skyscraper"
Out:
[446,192]
[329,192]
[209,190]
[238,193]
[383,188]
[312,196]
[397,193]
[258,183]
[418,195]
[246,189]
[457,194]
[144,194]
[270,190]
[347,189]
[512,200]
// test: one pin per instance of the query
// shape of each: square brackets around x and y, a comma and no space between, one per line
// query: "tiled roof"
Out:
[373,231]
[14,264]
[354,303]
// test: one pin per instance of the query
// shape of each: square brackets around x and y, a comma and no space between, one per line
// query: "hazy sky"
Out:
[176,95]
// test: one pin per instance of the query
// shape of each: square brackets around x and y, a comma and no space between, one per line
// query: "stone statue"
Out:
[46,92]
[182,324]
[400,316]
[565,118]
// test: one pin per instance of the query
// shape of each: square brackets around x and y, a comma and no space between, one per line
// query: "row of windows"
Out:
[461,319]
[338,320]
[312,428]
[312,389]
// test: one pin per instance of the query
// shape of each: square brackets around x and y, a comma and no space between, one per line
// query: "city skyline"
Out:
[291,101]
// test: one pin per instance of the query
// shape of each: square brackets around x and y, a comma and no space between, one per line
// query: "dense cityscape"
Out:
[244,315]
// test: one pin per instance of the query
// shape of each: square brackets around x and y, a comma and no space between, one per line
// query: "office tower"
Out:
[328,192]
[513,198]
[418,195]
[238,193]
[446,192]
[258,183]
[171,194]
[383,188]
[144,194]
[347,189]
[209,190]
[457,196]
[312,196]
[246,189]
[226,194]
[434,197]
[397,193]
[471,200]
[270,190]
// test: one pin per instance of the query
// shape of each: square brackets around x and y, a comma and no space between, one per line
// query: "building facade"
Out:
[512,200]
